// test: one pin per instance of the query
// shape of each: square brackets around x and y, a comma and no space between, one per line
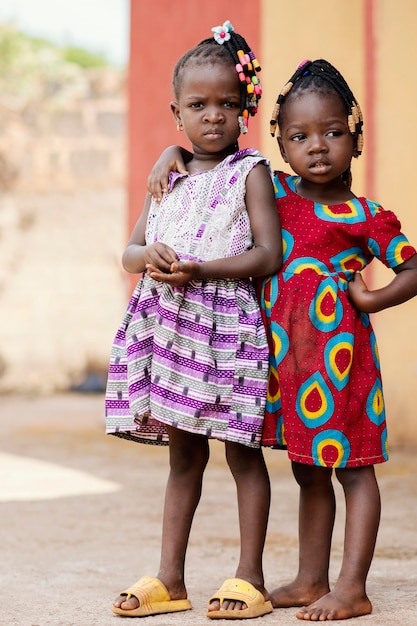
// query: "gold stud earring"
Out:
[180,127]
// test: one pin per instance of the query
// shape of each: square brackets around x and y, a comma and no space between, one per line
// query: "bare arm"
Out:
[264,258]
[138,255]
[402,288]
[172,159]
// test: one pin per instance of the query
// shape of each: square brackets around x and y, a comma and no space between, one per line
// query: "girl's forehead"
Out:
[208,65]
[207,72]
[311,100]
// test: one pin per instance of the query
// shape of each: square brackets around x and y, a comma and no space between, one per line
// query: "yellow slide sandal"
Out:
[153,599]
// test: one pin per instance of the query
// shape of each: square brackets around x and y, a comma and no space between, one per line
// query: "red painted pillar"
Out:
[160,32]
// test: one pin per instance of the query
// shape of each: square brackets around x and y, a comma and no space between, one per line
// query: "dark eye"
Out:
[231,105]
[298,137]
[334,133]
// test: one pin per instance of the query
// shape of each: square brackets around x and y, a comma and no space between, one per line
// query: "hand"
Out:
[359,294]
[170,161]
[180,273]
[160,256]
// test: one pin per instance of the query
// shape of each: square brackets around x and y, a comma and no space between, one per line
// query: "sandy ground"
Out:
[81,512]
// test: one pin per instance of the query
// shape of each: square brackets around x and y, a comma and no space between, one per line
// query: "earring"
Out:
[180,127]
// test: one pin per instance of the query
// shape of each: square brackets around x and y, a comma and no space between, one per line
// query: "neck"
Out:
[202,161]
[333,192]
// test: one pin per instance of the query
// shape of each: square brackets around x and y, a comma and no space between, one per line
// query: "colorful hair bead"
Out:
[246,66]
[301,63]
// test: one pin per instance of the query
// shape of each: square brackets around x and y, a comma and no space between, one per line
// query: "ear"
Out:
[282,149]
[176,112]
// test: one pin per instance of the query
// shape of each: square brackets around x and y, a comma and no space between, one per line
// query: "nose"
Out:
[317,143]
[214,114]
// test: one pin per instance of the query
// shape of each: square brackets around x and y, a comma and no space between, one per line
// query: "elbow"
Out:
[125,262]
[274,263]
[130,263]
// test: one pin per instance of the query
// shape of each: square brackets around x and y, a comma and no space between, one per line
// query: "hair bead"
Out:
[286,89]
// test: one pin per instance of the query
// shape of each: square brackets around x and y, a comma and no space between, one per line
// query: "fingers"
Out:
[160,256]
[180,167]
[157,184]
[177,275]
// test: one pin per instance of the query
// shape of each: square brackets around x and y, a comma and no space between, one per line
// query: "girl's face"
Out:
[208,106]
[315,138]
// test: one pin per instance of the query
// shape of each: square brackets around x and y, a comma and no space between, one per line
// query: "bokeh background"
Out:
[84,113]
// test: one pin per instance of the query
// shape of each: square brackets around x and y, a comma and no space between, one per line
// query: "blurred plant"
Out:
[84,58]
[32,68]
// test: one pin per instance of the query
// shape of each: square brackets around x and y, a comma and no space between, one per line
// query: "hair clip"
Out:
[222,33]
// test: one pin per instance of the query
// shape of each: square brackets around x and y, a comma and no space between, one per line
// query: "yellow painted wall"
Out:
[334,30]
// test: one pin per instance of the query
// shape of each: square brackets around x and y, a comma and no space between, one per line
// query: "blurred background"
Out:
[84,113]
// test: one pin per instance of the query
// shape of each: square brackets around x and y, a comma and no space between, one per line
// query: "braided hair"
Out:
[231,48]
[321,76]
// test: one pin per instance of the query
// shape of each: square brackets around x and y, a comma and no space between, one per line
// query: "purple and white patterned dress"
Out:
[194,357]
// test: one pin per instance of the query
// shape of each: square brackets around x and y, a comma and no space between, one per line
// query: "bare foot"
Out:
[336,606]
[296,594]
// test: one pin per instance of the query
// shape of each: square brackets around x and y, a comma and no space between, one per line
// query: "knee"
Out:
[311,476]
[244,460]
[351,477]
[186,460]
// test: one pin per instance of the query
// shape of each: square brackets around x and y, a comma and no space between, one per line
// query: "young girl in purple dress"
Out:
[190,361]
[325,402]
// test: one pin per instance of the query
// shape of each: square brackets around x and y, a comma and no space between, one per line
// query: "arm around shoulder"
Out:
[172,159]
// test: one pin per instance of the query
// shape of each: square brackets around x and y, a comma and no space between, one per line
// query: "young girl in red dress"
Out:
[325,402]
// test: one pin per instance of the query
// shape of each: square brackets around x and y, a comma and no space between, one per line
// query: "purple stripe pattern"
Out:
[194,357]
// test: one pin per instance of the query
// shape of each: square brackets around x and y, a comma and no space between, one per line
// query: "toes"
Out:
[126,604]
[214,605]
[227,605]
[233,605]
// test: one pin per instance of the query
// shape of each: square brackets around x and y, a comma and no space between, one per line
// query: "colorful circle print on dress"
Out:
[338,356]
[315,404]
[331,448]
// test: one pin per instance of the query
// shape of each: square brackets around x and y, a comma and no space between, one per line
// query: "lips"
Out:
[319,166]
[212,132]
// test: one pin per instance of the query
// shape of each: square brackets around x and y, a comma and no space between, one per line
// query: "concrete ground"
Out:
[80,515]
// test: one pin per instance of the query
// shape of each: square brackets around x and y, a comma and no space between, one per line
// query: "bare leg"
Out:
[363,510]
[189,455]
[253,494]
[316,520]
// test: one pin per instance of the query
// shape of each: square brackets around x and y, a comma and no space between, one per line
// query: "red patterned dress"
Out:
[325,402]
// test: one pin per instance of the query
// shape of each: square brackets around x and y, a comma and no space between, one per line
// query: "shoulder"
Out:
[377,213]
[284,183]
[248,155]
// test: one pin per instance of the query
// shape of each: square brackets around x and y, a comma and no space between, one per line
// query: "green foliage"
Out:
[34,68]
[84,58]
